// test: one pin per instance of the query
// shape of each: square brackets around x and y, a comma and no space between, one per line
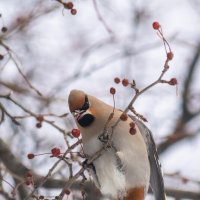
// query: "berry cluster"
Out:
[156,25]
[55,152]
[117,80]
[40,119]
[29,179]
[125,82]
[132,129]
[70,6]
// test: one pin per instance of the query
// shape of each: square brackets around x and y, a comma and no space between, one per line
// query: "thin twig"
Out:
[10,52]
[8,96]
[8,114]
[101,18]
[49,174]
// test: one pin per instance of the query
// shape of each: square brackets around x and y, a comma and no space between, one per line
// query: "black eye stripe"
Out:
[86,120]
[86,104]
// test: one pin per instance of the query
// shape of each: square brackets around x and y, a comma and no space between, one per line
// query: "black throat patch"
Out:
[86,120]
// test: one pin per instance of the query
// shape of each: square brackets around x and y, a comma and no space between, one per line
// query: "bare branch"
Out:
[10,52]
[102,19]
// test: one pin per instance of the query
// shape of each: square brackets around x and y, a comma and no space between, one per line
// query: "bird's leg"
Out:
[87,165]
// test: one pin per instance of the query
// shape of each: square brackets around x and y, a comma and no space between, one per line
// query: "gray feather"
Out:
[156,177]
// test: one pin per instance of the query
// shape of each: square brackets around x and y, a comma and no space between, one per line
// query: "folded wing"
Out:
[156,177]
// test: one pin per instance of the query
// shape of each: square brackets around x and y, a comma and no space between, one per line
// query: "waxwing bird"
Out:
[126,169]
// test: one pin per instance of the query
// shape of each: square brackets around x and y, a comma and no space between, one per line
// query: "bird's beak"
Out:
[78,114]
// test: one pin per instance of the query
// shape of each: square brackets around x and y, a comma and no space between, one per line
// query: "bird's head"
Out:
[79,105]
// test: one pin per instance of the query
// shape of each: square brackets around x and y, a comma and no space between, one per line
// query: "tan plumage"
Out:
[123,171]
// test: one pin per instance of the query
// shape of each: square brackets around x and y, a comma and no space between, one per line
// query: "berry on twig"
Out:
[40,118]
[67,192]
[170,55]
[173,81]
[76,132]
[39,125]
[156,25]
[30,156]
[73,11]
[112,90]
[55,152]
[68,5]
[123,117]
[125,82]
[117,80]
[132,131]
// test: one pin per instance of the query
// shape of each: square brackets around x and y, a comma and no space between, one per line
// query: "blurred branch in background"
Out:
[181,132]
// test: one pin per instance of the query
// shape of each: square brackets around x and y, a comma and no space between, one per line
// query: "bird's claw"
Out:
[104,137]
[87,165]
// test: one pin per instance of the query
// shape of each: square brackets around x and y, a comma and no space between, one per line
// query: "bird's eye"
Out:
[86,104]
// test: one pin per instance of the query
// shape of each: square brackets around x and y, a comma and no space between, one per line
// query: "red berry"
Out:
[67,192]
[40,118]
[132,125]
[30,156]
[68,5]
[173,81]
[156,25]
[41,197]
[55,152]
[123,117]
[132,131]
[112,90]
[170,55]
[76,132]
[125,82]
[117,80]
[39,125]
[73,11]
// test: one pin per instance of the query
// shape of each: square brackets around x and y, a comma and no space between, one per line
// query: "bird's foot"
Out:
[87,165]
[104,137]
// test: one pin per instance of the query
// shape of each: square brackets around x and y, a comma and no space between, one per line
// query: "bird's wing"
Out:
[156,177]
